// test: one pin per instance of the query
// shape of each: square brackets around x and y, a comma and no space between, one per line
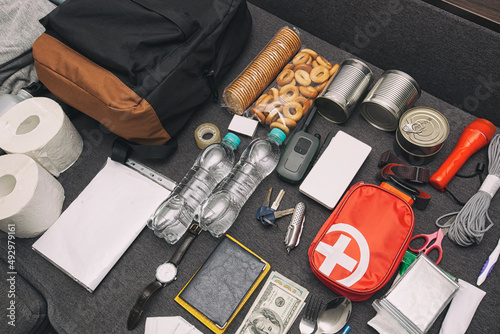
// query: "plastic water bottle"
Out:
[172,218]
[260,158]
[7,101]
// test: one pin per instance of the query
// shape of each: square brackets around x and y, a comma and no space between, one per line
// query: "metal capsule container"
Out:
[393,94]
[344,92]
[421,134]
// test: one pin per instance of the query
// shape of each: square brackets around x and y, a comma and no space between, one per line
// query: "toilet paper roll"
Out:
[30,198]
[39,128]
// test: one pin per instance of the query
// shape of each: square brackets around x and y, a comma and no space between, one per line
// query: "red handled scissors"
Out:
[432,242]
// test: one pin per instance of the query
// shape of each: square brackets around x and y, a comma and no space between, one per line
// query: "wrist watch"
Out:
[166,273]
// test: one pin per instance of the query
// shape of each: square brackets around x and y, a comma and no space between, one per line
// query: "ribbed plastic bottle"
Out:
[7,101]
[259,159]
[172,218]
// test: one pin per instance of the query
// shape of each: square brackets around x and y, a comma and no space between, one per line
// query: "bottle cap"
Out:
[233,139]
[278,134]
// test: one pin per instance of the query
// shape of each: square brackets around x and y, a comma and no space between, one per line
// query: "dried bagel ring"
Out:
[289,123]
[263,101]
[289,93]
[307,106]
[274,114]
[293,83]
[275,94]
[334,69]
[308,91]
[305,67]
[280,126]
[302,78]
[310,52]
[301,100]
[301,58]
[292,110]
[320,87]
[273,105]
[257,114]
[285,77]
[324,62]
[319,74]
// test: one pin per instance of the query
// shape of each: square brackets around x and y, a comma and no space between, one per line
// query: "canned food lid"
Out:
[424,127]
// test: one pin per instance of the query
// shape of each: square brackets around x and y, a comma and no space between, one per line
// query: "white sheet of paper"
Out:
[97,228]
[169,325]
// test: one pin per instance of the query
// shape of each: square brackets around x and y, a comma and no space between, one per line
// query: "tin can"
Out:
[393,94]
[347,87]
[420,134]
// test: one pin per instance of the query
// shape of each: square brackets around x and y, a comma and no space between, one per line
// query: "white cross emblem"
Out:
[334,255]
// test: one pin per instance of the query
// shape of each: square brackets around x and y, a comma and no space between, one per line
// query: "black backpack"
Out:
[140,67]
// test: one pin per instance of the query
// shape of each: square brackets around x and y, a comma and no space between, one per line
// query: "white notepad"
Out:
[97,228]
[335,169]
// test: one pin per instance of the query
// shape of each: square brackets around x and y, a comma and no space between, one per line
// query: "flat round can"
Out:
[423,128]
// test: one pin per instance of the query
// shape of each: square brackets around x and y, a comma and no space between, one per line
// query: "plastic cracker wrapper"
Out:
[252,81]
[292,94]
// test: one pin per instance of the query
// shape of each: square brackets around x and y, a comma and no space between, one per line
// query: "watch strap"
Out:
[186,240]
[136,311]
[193,230]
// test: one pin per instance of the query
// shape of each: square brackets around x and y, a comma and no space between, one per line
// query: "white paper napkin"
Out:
[169,325]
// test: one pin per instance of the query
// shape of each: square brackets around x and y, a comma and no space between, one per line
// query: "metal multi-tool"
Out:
[294,230]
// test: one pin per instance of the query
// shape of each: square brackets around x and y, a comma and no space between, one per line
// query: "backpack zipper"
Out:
[231,35]
[209,75]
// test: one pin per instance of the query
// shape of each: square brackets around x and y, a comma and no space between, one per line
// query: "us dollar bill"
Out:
[288,284]
[275,308]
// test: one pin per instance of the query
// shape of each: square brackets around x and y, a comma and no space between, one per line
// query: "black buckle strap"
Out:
[391,164]
[396,172]
[420,198]
[417,175]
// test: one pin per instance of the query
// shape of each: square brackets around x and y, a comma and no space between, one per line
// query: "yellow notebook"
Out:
[219,289]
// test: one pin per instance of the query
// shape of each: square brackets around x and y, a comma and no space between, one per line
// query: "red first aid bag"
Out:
[362,243]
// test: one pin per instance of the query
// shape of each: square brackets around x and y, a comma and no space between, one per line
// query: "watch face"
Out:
[166,273]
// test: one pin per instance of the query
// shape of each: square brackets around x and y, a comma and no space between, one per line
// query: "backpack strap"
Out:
[122,149]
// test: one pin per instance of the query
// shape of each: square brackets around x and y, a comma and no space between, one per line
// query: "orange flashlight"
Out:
[476,135]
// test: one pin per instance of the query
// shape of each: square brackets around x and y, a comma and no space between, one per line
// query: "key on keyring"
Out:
[264,209]
[271,217]
[267,215]
[268,197]
[277,201]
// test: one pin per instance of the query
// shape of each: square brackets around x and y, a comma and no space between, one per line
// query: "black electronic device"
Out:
[299,153]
